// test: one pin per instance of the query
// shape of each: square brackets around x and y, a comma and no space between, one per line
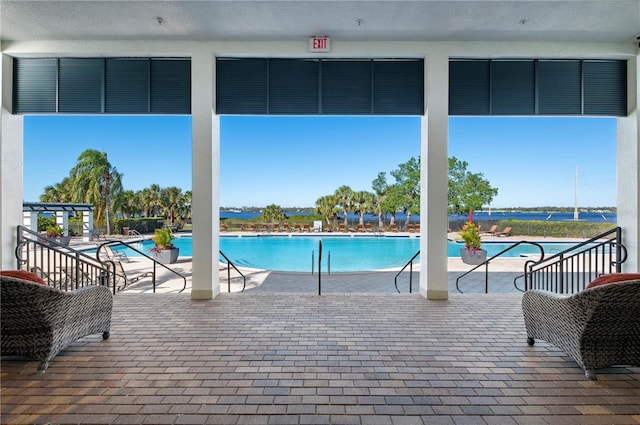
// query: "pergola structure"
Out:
[435,33]
[30,211]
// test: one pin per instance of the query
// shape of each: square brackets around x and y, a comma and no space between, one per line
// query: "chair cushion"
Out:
[24,275]
[612,278]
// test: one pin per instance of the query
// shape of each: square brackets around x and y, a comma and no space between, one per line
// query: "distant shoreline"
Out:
[480,216]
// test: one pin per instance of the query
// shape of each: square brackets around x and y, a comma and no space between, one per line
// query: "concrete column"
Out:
[205,159]
[10,168]
[433,189]
[30,220]
[87,224]
[62,220]
[628,157]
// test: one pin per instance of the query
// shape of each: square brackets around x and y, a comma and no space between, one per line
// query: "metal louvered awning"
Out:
[54,207]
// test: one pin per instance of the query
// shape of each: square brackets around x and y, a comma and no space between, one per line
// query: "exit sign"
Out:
[319,43]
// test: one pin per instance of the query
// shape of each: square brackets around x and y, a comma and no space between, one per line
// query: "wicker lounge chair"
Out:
[39,321]
[598,327]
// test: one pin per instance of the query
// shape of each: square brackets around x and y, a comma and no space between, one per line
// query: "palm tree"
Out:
[96,181]
[60,192]
[151,200]
[128,203]
[326,207]
[380,187]
[343,197]
[170,198]
[363,202]
[185,204]
[273,212]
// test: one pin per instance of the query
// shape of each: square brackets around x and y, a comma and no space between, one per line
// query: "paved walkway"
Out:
[365,359]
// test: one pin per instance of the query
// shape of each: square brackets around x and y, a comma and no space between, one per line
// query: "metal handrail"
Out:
[230,263]
[62,267]
[488,260]
[582,266]
[410,265]
[320,267]
[155,262]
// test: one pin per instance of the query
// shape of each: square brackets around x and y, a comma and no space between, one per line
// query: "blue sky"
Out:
[292,161]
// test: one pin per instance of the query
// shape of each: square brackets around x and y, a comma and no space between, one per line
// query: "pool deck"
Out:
[282,358]
[501,274]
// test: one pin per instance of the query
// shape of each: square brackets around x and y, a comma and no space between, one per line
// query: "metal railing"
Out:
[410,265]
[313,262]
[102,257]
[488,260]
[229,265]
[571,270]
[60,266]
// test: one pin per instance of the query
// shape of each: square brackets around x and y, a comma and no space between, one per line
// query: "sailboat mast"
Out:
[575,198]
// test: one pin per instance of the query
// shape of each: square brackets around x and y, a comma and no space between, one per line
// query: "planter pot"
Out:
[473,256]
[166,256]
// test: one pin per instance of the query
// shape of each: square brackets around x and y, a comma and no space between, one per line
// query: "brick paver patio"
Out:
[274,358]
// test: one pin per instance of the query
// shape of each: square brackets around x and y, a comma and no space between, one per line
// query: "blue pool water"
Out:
[284,253]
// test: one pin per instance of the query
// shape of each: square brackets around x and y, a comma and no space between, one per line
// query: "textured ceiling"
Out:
[486,20]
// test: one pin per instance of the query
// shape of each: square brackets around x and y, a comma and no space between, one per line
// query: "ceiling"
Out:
[268,20]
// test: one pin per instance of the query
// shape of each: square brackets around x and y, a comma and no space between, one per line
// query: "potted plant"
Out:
[56,233]
[472,253]
[164,251]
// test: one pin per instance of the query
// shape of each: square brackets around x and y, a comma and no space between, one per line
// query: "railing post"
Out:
[228,277]
[411,277]
[329,263]
[153,278]
[618,250]
[320,268]
[312,262]
[486,278]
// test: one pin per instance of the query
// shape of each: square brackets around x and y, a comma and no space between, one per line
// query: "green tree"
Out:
[407,177]
[96,181]
[327,207]
[380,188]
[467,191]
[273,213]
[393,201]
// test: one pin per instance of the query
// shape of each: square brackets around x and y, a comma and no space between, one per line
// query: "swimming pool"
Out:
[359,253]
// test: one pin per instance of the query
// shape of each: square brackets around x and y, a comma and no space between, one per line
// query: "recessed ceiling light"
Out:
[523,21]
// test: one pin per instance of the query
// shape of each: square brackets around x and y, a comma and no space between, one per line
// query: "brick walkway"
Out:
[268,358]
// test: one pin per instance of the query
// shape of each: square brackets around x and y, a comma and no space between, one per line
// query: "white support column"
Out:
[433,202]
[206,160]
[62,220]
[10,168]
[628,157]
[87,224]
[30,220]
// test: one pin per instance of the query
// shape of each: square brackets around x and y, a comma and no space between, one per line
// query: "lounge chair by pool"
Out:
[492,230]
[505,232]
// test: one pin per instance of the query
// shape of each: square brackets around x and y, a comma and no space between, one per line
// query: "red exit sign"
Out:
[319,44]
